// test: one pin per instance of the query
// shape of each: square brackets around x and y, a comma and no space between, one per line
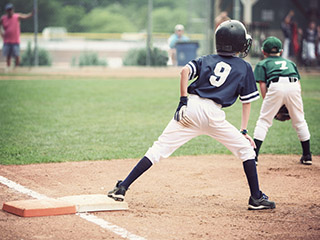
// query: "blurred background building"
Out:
[111,28]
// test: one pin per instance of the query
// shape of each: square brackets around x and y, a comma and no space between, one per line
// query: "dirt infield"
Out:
[195,197]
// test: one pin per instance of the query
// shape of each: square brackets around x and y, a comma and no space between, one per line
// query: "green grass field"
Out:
[93,119]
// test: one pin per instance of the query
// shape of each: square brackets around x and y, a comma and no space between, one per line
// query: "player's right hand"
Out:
[250,140]
[181,110]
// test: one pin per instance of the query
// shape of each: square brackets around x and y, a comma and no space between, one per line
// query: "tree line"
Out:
[109,16]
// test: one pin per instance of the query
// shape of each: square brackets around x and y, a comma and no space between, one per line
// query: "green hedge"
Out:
[27,58]
[88,59]
[138,57]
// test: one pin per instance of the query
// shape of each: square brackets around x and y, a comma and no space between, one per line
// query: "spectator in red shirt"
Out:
[10,22]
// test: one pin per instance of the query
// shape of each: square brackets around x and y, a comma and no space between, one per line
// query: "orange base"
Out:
[37,208]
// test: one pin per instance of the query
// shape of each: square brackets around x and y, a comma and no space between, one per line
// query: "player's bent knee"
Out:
[153,158]
[154,154]
[249,154]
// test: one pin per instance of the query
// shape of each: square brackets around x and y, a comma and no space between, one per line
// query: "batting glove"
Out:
[181,110]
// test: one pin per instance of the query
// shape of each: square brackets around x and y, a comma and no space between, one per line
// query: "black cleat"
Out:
[261,203]
[306,159]
[118,192]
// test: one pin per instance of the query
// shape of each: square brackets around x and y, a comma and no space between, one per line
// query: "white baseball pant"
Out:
[279,93]
[207,118]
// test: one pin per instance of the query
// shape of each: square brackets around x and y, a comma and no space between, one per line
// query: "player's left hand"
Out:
[181,110]
[250,140]
[181,113]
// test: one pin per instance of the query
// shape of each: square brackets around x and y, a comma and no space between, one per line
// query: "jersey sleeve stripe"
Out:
[250,94]
[250,97]
[193,70]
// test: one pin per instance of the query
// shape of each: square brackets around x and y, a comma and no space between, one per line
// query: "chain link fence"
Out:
[69,29]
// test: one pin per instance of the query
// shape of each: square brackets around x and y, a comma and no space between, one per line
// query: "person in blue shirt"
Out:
[178,36]
[219,80]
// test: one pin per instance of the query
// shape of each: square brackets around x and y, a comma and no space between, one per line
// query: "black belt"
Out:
[291,79]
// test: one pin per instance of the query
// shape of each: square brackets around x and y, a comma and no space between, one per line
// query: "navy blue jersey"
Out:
[222,79]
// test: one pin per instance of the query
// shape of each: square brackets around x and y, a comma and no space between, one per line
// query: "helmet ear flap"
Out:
[247,47]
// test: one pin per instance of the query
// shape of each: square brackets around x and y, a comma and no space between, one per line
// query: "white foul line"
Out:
[22,189]
[113,228]
[89,217]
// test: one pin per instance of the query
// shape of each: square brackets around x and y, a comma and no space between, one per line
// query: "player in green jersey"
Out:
[279,85]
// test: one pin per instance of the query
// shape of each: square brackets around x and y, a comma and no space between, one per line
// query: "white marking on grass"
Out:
[89,217]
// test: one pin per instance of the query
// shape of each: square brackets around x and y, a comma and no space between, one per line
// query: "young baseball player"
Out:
[279,85]
[219,80]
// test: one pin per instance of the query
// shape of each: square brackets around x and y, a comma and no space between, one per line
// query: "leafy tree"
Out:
[109,15]
[170,4]
[164,19]
[137,16]
[102,20]
[71,17]
[89,5]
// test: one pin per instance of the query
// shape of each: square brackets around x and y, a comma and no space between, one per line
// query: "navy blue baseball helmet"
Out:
[231,38]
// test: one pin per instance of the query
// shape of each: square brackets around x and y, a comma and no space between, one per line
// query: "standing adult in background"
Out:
[286,27]
[318,44]
[223,16]
[309,44]
[10,22]
[178,36]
